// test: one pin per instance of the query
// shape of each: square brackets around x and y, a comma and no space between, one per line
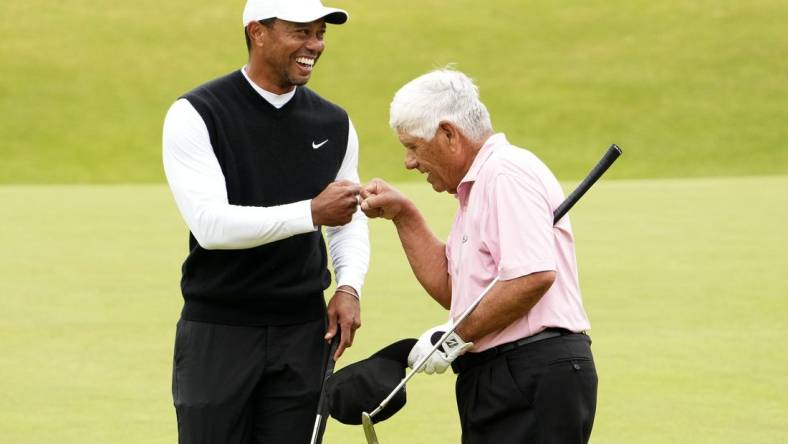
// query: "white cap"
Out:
[298,11]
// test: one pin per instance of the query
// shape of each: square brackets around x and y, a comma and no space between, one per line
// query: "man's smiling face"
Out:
[290,51]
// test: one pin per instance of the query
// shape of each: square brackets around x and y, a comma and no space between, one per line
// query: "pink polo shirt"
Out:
[504,227]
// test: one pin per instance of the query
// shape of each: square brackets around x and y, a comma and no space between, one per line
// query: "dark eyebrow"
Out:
[307,25]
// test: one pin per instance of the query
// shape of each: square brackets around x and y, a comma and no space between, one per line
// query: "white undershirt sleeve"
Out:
[198,185]
[348,245]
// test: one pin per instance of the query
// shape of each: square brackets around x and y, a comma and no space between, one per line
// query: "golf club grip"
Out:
[332,348]
[607,160]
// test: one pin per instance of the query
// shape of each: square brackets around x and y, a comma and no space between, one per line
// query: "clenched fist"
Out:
[382,200]
[335,205]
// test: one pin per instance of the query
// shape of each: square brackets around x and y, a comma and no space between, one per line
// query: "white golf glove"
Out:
[439,361]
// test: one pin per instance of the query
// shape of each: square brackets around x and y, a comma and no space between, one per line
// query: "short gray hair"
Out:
[440,95]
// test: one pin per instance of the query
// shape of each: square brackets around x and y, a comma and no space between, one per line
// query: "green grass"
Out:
[686,88]
[684,281]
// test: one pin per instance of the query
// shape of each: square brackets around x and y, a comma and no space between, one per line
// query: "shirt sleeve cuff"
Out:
[299,216]
[509,273]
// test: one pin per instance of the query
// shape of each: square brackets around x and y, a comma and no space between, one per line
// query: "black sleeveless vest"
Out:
[267,157]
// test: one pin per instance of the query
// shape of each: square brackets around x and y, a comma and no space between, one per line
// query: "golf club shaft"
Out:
[322,408]
[421,362]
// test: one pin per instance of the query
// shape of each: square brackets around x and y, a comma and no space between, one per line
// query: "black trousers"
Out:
[245,385]
[544,393]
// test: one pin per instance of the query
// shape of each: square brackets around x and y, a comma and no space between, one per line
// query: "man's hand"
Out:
[439,361]
[344,310]
[335,205]
[380,199]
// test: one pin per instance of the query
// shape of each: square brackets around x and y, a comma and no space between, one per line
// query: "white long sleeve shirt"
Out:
[198,186]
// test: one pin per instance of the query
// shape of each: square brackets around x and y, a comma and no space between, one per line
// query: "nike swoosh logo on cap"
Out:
[318,145]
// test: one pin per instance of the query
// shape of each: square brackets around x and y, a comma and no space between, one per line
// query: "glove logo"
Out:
[446,351]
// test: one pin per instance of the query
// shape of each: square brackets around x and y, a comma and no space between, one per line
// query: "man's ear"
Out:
[450,134]
[256,31]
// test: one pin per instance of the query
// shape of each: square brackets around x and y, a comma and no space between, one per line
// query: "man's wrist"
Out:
[405,214]
[455,346]
[459,331]
[313,213]
[348,290]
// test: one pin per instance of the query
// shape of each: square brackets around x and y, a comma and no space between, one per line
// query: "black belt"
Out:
[470,360]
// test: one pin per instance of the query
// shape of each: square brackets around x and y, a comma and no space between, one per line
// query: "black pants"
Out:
[244,385]
[542,393]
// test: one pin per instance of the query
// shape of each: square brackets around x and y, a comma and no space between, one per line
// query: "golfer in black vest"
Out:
[257,164]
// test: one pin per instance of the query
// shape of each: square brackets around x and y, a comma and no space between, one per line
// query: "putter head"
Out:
[369,428]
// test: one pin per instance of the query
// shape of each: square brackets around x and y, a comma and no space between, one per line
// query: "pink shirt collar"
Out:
[478,162]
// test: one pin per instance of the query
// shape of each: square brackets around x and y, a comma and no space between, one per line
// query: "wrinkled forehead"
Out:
[410,141]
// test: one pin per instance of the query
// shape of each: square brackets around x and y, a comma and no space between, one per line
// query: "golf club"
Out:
[599,169]
[607,160]
[322,406]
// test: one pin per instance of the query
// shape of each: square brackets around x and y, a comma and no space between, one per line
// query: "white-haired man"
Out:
[525,368]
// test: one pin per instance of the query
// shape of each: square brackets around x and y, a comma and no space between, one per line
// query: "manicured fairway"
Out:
[684,281]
